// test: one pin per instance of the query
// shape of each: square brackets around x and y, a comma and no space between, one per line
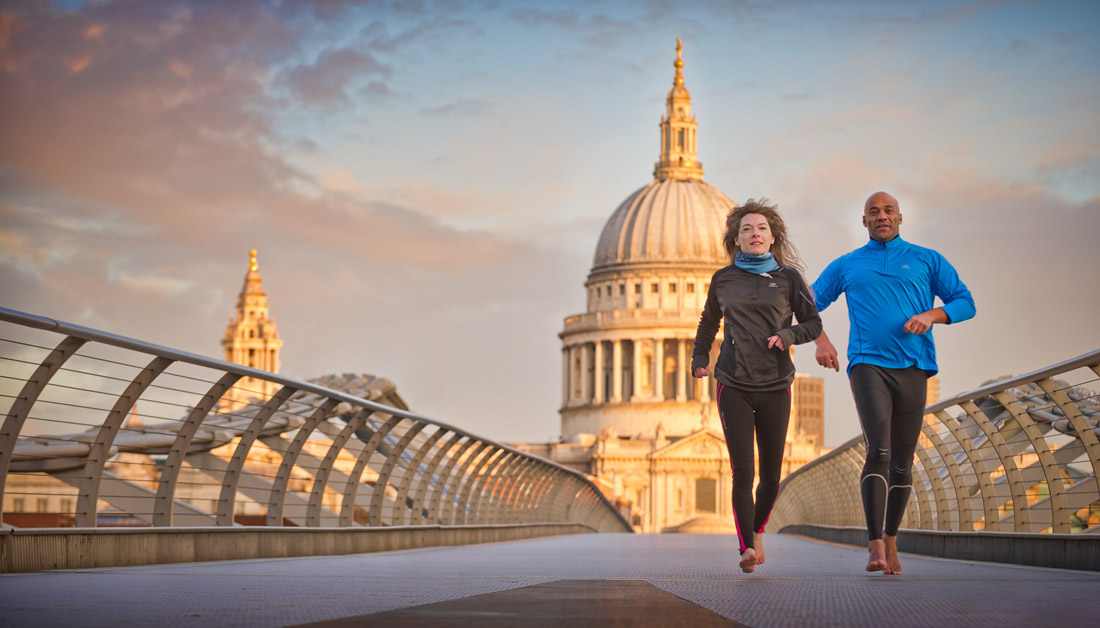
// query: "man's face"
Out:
[881,217]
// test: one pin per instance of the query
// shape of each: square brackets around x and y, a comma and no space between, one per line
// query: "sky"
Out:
[426,181]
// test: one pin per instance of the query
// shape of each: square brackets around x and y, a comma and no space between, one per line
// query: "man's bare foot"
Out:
[758,546]
[748,560]
[877,560]
[893,565]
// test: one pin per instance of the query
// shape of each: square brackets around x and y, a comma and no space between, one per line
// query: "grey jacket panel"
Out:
[755,307]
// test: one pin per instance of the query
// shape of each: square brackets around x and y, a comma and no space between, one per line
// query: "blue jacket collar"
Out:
[892,244]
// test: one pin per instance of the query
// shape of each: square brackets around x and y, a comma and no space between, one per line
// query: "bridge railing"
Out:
[103,430]
[1019,455]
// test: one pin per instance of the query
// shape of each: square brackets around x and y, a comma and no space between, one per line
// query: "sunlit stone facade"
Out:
[631,414]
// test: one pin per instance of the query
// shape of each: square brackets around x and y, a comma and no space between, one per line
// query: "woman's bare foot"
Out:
[758,546]
[877,560]
[893,565]
[748,560]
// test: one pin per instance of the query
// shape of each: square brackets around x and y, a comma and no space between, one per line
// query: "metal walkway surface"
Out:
[582,580]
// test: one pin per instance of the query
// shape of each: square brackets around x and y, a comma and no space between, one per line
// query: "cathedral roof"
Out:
[677,218]
[678,221]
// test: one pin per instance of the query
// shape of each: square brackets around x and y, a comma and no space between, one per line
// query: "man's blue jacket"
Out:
[885,284]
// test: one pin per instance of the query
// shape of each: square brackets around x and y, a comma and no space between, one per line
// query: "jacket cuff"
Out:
[787,335]
[958,311]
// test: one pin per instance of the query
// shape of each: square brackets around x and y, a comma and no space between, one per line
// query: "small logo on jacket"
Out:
[772,285]
[905,266]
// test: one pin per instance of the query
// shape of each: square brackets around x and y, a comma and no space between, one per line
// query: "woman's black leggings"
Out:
[890,404]
[767,413]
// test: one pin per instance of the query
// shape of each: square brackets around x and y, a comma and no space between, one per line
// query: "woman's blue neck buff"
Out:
[756,263]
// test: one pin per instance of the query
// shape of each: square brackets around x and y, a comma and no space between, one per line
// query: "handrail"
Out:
[208,428]
[1019,454]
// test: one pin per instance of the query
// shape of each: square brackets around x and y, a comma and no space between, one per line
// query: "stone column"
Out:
[597,356]
[574,394]
[637,371]
[682,378]
[564,376]
[586,387]
[616,371]
[659,369]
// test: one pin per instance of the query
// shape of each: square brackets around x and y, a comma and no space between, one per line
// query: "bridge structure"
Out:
[329,502]
[320,469]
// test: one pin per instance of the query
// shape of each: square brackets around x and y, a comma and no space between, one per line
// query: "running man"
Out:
[890,286]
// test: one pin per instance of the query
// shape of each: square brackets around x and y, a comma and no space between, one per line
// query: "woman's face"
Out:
[755,235]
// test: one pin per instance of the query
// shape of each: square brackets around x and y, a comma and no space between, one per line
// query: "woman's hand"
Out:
[700,371]
[775,342]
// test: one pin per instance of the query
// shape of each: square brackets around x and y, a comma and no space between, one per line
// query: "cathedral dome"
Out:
[678,221]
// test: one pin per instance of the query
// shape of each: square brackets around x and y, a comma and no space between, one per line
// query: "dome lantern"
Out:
[679,159]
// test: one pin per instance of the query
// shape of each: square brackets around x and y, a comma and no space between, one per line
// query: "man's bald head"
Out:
[881,198]
[882,216]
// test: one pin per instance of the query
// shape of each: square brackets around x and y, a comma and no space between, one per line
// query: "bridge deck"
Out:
[583,580]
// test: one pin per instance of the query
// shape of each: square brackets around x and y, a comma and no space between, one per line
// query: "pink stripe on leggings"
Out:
[740,540]
[763,525]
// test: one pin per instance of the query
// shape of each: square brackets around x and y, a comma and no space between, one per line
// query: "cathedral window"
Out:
[654,287]
[705,489]
[672,288]
[690,288]
[637,288]
[622,289]
[680,139]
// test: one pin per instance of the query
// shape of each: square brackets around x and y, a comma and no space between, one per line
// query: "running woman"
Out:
[758,297]
[890,286]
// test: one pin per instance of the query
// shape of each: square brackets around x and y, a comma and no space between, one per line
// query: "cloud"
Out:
[471,107]
[599,31]
[429,29]
[377,91]
[539,17]
[1021,47]
[325,82]
[175,125]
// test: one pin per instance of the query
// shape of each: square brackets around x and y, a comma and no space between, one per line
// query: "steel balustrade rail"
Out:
[1019,455]
[307,454]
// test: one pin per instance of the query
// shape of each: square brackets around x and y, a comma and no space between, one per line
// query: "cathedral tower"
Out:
[252,338]
[678,157]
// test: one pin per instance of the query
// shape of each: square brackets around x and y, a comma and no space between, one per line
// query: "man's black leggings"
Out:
[766,413]
[890,404]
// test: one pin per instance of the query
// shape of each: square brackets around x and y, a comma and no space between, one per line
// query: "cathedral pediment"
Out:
[704,443]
